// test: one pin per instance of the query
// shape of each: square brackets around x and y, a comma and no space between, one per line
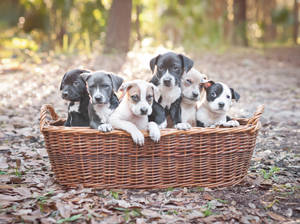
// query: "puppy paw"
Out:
[219,123]
[154,131]
[183,126]
[231,123]
[138,138]
[163,125]
[105,127]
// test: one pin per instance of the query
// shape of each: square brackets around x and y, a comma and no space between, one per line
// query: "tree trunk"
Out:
[137,22]
[296,22]
[118,28]
[240,23]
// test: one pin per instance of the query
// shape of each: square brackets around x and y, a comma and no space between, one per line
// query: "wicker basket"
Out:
[207,157]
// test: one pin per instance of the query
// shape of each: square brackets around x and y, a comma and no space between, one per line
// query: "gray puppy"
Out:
[101,87]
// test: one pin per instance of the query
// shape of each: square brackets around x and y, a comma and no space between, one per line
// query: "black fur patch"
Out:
[200,124]
[158,113]
[214,92]
[228,118]
[74,90]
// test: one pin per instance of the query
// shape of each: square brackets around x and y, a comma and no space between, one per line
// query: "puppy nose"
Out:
[167,81]
[221,104]
[64,94]
[195,95]
[98,98]
[144,111]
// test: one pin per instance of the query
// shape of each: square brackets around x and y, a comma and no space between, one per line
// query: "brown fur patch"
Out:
[150,91]
[133,90]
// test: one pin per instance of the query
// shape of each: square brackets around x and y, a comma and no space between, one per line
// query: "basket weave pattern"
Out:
[207,157]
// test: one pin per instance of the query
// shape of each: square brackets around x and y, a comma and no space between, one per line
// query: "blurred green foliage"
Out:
[71,26]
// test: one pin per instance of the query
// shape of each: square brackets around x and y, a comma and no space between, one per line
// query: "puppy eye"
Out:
[92,86]
[213,94]
[135,98]
[149,97]
[176,68]
[76,83]
[228,97]
[188,81]
[160,68]
[105,86]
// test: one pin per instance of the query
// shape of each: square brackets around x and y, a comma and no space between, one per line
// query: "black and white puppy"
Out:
[167,71]
[73,89]
[134,109]
[217,103]
[101,87]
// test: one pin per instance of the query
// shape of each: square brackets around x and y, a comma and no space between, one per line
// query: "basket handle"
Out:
[47,108]
[254,120]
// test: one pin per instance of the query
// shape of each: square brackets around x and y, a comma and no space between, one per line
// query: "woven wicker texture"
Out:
[207,157]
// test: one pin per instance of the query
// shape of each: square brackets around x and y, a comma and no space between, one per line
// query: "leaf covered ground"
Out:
[269,194]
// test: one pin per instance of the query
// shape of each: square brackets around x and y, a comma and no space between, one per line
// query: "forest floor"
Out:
[269,194]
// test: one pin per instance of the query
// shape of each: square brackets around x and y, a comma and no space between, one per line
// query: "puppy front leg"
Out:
[154,131]
[68,121]
[100,126]
[175,113]
[158,115]
[136,135]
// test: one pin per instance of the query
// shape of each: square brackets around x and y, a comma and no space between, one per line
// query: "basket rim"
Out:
[252,125]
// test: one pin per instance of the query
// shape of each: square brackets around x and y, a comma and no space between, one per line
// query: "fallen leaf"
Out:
[4,197]
[276,216]
[150,213]
[64,209]
[3,162]
[207,196]
[195,214]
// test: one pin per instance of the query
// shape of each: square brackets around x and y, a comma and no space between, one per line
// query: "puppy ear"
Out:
[153,62]
[234,95]
[156,92]
[61,84]
[154,80]
[208,84]
[125,86]
[116,81]
[85,76]
[187,62]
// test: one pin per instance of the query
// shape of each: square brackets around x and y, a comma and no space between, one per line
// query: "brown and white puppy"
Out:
[132,113]
[192,93]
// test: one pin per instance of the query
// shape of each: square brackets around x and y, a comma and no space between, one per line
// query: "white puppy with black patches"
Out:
[217,103]
[192,87]
[132,113]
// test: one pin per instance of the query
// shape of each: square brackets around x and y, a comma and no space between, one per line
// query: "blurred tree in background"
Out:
[75,26]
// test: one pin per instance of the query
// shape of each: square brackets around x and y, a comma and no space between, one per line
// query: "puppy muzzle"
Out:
[99,100]
[144,111]
[167,82]
[70,97]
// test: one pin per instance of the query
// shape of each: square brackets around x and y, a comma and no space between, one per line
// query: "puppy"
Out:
[73,89]
[134,109]
[167,72]
[103,101]
[192,93]
[217,103]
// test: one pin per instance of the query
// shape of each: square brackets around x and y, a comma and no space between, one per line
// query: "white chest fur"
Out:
[103,112]
[74,107]
[209,118]
[169,95]
[188,114]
